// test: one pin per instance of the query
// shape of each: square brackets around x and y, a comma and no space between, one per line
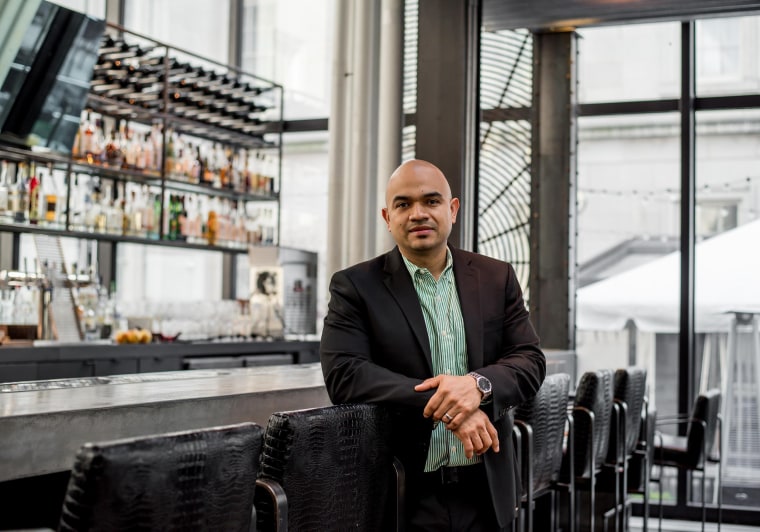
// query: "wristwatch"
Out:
[483,384]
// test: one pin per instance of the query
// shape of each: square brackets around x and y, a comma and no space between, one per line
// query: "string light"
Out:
[736,185]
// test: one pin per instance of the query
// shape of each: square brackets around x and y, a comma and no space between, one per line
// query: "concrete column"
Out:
[365,126]
[553,190]
[390,111]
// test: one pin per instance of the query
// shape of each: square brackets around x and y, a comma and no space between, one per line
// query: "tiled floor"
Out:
[688,526]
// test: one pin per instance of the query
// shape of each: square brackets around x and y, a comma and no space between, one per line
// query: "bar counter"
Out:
[90,359]
[42,424]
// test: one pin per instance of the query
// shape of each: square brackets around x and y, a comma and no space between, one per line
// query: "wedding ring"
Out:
[447,417]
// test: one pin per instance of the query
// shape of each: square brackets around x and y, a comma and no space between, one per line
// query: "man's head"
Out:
[419,209]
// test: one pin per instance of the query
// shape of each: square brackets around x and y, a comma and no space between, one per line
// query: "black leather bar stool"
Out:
[592,414]
[335,468]
[183,481]
[630,398]
[541,423]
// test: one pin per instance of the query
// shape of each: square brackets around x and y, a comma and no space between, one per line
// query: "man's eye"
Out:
[402,205]
[434,201]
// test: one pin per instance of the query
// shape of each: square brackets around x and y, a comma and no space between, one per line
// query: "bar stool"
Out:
[183,481]
[335,468]
[629,397]
[541,424]
[692,452]
[592,414]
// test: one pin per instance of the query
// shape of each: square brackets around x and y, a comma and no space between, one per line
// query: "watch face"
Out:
[484,385]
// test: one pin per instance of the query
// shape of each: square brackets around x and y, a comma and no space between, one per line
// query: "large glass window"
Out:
[629,63]
[629,203]
[197,26]
[628,264]
[290,42]
[727,56]
[727,297]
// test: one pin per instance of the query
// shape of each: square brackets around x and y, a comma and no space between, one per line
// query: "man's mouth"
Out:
[421,230]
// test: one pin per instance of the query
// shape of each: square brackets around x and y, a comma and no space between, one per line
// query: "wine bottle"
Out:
[4,192]
[50,193]
[19,197]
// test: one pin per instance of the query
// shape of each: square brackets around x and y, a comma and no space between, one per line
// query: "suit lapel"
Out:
[399,283]
[468,288]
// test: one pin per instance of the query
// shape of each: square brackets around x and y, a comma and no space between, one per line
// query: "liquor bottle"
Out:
[171,233]
[33,184]
[208,171]
[96,153]
[158,217]
[220,166]
[145,162]
[169,154]
[100,211]
[3,190]
[132,148]
[182,221]
[114,155]
[50,193]
[144,212]
[196,171]
[86,138]
[19,197]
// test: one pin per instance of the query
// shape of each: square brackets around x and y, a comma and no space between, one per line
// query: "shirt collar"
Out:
[413,268]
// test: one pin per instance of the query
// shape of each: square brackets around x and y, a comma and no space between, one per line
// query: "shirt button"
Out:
[443,333]
[453,449]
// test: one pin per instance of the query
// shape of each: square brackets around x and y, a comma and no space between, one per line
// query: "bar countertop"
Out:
[43,423]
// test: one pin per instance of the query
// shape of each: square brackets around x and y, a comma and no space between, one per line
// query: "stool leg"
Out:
[659,487]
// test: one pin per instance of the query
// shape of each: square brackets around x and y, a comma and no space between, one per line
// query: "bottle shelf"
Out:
[208,135]
[10,227]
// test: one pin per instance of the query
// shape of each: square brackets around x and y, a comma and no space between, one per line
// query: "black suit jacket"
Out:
[375,349]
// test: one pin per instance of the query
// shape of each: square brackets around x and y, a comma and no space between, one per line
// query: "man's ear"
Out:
[384,214]
[454,206]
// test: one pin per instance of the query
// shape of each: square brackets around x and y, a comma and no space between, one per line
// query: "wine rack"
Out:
[173,94]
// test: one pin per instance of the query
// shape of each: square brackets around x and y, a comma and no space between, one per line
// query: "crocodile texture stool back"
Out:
[183,481]
[541,425]
[630,388]
[593,395]
[335,466]
[546,414]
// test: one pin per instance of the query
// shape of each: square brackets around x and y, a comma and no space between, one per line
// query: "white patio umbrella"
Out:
[727,279]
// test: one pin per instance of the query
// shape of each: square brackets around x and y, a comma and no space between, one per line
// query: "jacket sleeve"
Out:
[351,374]
[519,367]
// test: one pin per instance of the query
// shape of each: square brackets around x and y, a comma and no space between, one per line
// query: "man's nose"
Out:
[418,212]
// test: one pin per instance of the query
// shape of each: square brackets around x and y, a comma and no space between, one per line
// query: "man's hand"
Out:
[477,434]
[456,399]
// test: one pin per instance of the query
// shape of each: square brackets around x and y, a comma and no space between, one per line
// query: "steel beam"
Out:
[447,101]
[553,189]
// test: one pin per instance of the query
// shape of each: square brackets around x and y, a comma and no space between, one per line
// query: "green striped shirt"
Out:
[445,327]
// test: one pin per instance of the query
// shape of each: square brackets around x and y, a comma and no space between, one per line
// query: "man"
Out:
[442,337]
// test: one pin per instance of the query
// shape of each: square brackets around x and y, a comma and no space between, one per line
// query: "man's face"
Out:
[419,209]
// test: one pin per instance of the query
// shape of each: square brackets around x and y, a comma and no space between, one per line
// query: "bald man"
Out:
[442,337]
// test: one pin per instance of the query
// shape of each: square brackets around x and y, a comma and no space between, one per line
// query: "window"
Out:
[629,63]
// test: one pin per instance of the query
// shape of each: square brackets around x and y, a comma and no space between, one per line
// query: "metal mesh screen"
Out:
[409,96]
[504,179]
